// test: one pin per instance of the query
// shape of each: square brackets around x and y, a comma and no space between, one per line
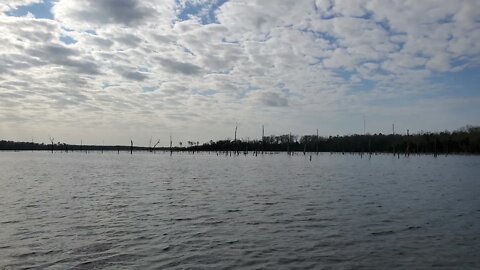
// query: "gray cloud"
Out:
[124,12]
[128,40]
[63,56]
[173,66]
[14,62]
[273,99]
[132,75]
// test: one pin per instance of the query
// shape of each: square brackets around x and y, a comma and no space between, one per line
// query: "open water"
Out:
[203,211]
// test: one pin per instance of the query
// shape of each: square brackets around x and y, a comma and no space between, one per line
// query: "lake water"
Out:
[203,211]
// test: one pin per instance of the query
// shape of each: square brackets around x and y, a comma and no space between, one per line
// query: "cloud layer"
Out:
[129,68]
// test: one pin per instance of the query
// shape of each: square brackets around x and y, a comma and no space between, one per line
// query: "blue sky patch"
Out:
[344,74]
[364,85]
[464,83]
[332,40]
[206,12]
[147,89]
[41,10]
[68,40]
[91,32]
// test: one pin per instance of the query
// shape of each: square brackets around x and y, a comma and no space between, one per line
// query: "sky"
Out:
[107,71]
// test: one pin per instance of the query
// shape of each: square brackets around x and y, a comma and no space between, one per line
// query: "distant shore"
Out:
[462,141]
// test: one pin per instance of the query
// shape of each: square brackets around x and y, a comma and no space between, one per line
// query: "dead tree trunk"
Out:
[263,138]
[52,141]
[288,143]
[235,139]
[369,148]
[153,148]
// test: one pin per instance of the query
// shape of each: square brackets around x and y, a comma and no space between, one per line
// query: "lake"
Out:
[203,211]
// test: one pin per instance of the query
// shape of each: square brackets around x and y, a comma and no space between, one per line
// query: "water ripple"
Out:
[77,211]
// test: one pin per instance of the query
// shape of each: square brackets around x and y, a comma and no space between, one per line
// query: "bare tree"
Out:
[155,145]
[263,139]
[52,140]
[235,138]
[236,127]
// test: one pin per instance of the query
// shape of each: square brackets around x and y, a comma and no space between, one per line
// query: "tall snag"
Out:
[52,140]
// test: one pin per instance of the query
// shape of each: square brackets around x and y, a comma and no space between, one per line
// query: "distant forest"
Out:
[464,140]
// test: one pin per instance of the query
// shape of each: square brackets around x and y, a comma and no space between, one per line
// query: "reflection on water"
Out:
[158,211]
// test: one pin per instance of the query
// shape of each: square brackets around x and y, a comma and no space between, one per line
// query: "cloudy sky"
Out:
[111,70]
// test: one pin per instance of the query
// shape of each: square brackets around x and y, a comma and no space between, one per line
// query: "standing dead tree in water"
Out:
[369,147]
[408,145]
[52,140]
[263,139]
[393,133]
[171,149]
[152,149]
[131,147]
[235,138]
[190,146]
[288,143]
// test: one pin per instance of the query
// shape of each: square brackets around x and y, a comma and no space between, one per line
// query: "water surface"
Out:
[203,211]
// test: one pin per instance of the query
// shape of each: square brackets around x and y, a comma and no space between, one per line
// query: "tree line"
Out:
[464,140]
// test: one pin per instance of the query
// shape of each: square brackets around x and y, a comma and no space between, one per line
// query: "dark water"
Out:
[150,211]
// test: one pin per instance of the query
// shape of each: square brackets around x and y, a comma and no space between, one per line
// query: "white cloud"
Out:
[135,63]
[7,5]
